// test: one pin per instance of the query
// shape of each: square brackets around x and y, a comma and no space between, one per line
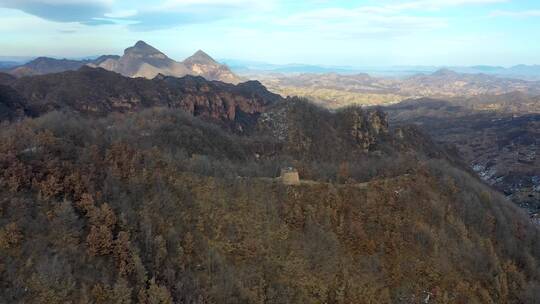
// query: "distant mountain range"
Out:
[526,72]
[143,60]
[46,65]
[337,90]
[250,67]
[140,60]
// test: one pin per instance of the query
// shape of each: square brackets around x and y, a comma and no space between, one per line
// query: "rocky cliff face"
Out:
[310,131]
[241,104]
[363,127]
[500,146]
[98,92]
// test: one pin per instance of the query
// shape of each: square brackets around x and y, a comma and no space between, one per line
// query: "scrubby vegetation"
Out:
[334,99]
[160,207]
[500,144]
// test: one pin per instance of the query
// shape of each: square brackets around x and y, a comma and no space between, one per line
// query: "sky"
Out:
[324,32]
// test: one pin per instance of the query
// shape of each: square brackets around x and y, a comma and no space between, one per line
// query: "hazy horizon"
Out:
[247,62]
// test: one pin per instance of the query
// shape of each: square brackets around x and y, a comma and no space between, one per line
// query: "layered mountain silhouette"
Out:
[143,60]
[46,65]
[140,60]
[97,92]
[338,90]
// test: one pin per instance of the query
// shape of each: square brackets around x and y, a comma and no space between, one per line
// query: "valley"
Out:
[338,90]
[500,147]
[492,122]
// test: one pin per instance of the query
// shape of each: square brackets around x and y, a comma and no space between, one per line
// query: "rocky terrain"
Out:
[500,146]
[143,60]
[448,83]
[95,91]
[509,103]
[140,60]
[203,65]
[338,90]
[131,190]
[155,205]
[491,122]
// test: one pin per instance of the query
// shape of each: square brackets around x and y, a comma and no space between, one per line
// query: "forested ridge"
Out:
[158,206]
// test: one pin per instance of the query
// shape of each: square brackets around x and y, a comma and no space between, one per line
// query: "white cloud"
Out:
[361,22]
[397,18]
[172,13]
[83,11]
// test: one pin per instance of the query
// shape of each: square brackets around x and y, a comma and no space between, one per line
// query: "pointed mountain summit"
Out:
[200,57]
[139,60]
[202,64]
[143,49]
[144,60]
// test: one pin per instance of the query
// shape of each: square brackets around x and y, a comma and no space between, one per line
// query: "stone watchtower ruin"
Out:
[289,176]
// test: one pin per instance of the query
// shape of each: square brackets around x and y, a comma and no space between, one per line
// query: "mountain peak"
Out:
[200,57]
[142,48]
[141,44]
[201,53]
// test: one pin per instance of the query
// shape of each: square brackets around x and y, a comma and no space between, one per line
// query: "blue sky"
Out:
[328,32]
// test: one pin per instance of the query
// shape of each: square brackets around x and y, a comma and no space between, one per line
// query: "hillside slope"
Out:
[499,143]
[159,206]
[12,105]
[98,92]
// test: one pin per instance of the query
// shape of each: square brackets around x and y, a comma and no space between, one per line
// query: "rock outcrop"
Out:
[99,92]
[309,131]
[363,127]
